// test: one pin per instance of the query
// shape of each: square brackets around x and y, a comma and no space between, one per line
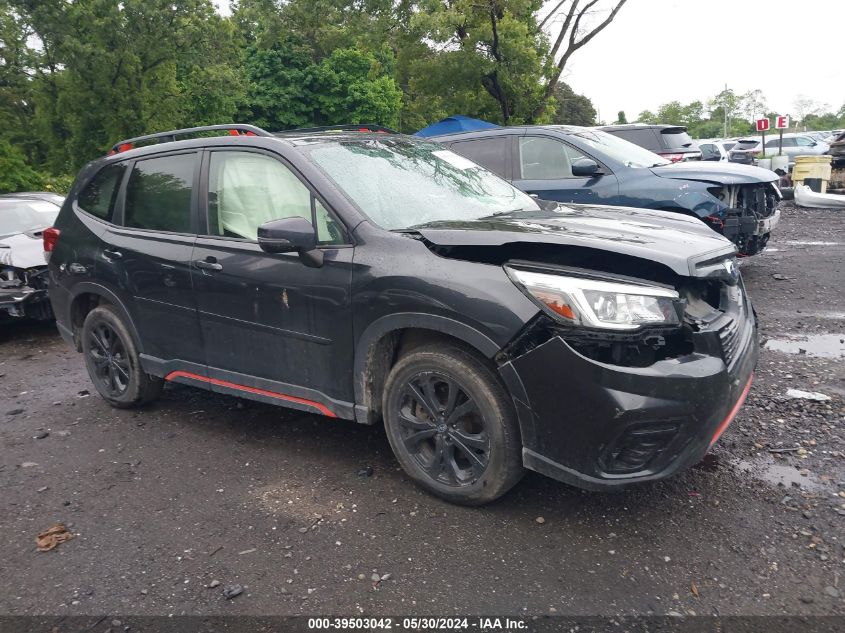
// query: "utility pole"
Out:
[725,107]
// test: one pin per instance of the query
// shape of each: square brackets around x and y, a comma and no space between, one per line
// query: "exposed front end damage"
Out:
[613,408]
[747,214]
[23,293]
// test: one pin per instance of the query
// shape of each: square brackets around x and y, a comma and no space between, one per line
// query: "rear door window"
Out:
[491,153]
[158,196]
[99,195]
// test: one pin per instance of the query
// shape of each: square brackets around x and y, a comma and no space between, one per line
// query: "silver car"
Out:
[796,145]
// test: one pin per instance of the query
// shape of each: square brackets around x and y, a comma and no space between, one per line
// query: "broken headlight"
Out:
[601,304]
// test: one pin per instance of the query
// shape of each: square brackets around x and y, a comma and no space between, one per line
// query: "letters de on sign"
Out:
[762,125]
[782,122]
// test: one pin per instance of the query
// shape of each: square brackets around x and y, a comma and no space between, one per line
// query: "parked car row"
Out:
[571,164]
[371,276]
[793,144]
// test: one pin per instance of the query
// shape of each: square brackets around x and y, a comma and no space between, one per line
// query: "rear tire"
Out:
[452,425]
[113,363]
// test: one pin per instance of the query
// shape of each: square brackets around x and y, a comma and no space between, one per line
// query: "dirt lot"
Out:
[204,489]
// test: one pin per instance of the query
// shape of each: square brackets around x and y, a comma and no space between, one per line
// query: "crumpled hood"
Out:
[718,173]
[680,242]
[23,250]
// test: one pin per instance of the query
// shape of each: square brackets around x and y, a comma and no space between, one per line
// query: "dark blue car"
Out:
[588,166]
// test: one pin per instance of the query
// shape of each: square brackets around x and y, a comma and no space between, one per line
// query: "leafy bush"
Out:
[15,174]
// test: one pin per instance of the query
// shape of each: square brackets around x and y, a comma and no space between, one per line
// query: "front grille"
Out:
[729,337]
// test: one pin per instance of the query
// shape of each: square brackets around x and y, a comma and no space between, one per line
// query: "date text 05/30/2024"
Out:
[491,624]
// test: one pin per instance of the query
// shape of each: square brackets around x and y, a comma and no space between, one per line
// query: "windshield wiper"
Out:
[500,214]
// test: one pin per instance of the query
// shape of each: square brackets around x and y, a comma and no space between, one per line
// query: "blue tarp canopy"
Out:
[455,123]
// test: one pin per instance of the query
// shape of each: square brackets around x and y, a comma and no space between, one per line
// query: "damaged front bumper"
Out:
[750,215]
[23,294]
[597,425]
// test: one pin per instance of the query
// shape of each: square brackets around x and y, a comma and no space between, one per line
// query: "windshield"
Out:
[619,149]
[20,216]
[402,184]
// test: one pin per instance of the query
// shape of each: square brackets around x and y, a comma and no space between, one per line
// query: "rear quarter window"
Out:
[99,195]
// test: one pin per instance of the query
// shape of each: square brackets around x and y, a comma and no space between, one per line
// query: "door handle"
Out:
[208,264]
[110,254]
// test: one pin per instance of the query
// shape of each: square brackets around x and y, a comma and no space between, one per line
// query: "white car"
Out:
[23,268]
[715,150]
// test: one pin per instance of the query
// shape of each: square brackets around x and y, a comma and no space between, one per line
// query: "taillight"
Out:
[50,237]
[675,158]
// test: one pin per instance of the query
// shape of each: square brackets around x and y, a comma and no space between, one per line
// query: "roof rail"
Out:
[346,127]
[235,129]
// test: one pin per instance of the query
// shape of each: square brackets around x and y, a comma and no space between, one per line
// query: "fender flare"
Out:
[446,325]
[404,320]
[90,287]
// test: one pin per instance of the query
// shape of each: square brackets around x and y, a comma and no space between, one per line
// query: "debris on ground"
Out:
[807,395]
[232,591]
[540,520]
[366,472]
[806,197]
[52,536]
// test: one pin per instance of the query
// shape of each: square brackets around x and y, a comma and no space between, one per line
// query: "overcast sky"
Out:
[663,50]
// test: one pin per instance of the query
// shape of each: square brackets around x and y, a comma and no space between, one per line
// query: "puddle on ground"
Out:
[767,470]
[818,345]
[776,474]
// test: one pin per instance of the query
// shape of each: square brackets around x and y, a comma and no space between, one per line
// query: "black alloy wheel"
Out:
[113,361]
[108,356]
[443,429]
[451,424]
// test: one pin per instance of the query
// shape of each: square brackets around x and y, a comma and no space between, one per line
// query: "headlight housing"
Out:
[594,303]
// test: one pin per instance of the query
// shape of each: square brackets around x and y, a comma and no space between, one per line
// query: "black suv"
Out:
[672,142]
[373,276]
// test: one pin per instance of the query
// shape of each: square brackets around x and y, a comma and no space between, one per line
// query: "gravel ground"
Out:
[171,505]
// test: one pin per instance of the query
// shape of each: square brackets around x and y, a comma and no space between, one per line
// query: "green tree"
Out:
[106,70]
[621,119]
[352,86]
[15,174]
[279,85]
[572,108]
[648,117]
[484,58]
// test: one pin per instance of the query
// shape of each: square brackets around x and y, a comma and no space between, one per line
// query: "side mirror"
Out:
[289,235]
[585,168]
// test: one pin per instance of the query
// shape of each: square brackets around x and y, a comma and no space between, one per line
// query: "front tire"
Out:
[113,363]
[452,426]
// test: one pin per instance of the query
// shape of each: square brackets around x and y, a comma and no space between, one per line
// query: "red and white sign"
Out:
[762,125]
[781,122]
